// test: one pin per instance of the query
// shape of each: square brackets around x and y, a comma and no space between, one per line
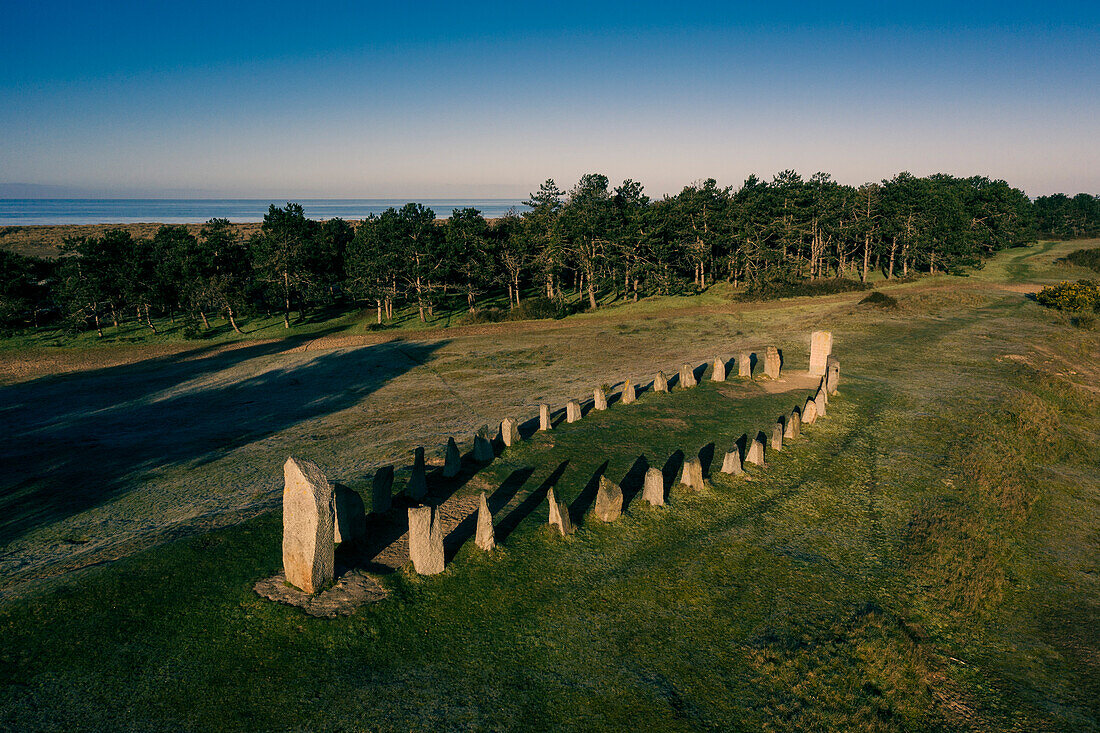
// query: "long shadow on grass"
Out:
[508,525]
[453,542]
[634,480]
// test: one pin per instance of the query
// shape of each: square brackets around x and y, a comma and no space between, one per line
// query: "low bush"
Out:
[1089,258]
[1082,296]
[535,308]
[880,300]
[792,288]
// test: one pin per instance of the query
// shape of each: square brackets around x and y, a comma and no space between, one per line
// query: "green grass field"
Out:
[925,558]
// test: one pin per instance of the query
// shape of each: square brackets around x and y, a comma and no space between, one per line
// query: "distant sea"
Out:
[187,211]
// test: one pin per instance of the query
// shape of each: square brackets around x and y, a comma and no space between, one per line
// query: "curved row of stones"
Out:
[318,515]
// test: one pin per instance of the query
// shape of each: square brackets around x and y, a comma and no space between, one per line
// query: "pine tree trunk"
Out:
[148,320]
[379,311]
[232,320]
[205,323]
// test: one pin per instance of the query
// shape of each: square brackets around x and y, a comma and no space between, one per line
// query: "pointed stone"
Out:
[731,463]
[483,449]
[426,540]
[821,388]
[309,514]
[572,411]
[660,382]
[793,422]
[417,486]
[819,403]
[771,362]
[755,453]
[628,393]
[559,514]
[381,495]
[609,500]
[719,373]
[821,345]
[809,412]
[351,516]
[485,538]
[744,365]
[599,399]
[653,490]
[777,435]
[452,462]
[544,418]
[509,431]
[687,376]
[832,375]
[692,474]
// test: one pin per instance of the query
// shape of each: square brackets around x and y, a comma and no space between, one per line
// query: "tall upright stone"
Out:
[509,431]
[731,462]
[809,412]
[544,418]
[381,495]
[609,500]
[821,345]
[692,474]
[771,362]
[417,486]
[794,420]
[452,461]
[719,372]
[350,524]
[599,399]
[309,531]
[660,382]
[559,514]
[744,365]
[821,387]
[777,435]
[483,448]
[755,453]
[485,537]
[572,411]
[653,490]
[819,403]
[832,375]
[687,376]
[628,393]
[426,540]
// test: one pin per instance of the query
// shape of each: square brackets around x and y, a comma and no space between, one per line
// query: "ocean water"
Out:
[187,211]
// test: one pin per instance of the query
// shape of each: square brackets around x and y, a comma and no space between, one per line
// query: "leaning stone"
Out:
[660,382]
[687,376]
[559,514]
[426,540]
[509,431]
[771,362]
[452,462]
[572,411]
[382,490]
[809,412]
[793,422]
[777,435]
[483,449]
[628,393]
[653,490]
[609,500]
[819,403]
[309,531]
[485,538]
[832,375]
[821,345]
[351,516]
[731,463]
[755,453]
[744,365]
[692,474]
[418,482]
[599,399]
[544,418]
[719,373]
[821,387]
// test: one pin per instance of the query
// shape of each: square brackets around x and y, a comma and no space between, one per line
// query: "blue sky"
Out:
[431,100]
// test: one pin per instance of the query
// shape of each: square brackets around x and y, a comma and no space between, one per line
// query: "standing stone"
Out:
[418,482]
[653,490]
[559,514]
[309,558]
[755,454]
[744,365]
[793,423]
[628,393]
[771,362]
[809,412]
[819,403]
[832,375]
[483,449]
[452,462]
[692,474]
[660,382]
[351,517]
[509,431]
[381,495]
[544,418]
[485,538]
[599,399]
[687,376]
[426,540]
[572,411]
[821,345]
[719,373]
[821,387]
[609,500]
[731,462]
[777,435]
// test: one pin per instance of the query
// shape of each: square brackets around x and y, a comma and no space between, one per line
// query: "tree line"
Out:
[590,243]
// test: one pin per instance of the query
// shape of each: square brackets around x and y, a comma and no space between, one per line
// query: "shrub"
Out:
[1081,296]
[535,308]
[792,288]
[485,315]
[881,300]
[1089,258]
